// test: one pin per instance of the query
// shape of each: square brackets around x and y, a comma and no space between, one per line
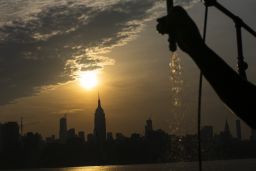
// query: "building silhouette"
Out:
[50,139]
[227,130]
[99,124]
[148,128]
[10,135]
[31,151]
[120,136]
[225,136]
[110,137]
[81,135]
[238,130]
[253,135]
[71,133]
[63,129]
[90,138]
[1,138]
[207,133]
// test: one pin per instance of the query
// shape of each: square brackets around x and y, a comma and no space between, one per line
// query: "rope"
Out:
[200,98]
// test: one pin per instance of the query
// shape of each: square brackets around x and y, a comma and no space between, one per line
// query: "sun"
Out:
[88,79]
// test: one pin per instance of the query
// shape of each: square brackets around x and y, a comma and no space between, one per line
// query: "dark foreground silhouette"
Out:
[156,146]
[237,93]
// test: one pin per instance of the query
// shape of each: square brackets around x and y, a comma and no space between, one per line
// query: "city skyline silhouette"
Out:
[40,82]
[93,83]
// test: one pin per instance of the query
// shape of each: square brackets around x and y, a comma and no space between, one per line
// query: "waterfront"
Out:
[224,165]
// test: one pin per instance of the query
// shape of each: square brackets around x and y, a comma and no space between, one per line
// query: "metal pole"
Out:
[231,15]
[242,66]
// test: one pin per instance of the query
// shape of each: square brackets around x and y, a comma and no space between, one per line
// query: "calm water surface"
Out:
[230,165]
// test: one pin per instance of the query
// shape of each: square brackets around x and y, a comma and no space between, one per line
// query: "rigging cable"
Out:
[200,97]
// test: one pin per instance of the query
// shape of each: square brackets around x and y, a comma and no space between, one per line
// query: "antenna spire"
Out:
[99,103]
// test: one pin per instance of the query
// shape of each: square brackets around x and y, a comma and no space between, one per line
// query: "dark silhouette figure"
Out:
[237,93]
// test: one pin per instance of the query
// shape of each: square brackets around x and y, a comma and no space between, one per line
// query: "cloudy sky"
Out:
[45,44]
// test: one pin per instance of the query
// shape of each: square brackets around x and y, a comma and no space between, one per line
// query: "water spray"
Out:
[176,81]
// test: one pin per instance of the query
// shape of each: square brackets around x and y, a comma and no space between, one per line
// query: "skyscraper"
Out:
[63,129]
[226,136]
[81,135]
[207,133]
[1,138]
[148,128]
[238,130]
[71,134]
[227,130]
[99,124]
[253,135]
[10,135]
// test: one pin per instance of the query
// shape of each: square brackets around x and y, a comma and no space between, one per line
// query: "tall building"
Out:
[227,130]
[63,129]
[71,133]
[207,133]
[148,127]
[81,135]
[253,135]
[99,124]
[225,135]
[1,139]
[238,130]
[90,138]
[110,137]
[10,135]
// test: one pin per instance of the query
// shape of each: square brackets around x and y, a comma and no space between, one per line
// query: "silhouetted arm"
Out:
[238,94]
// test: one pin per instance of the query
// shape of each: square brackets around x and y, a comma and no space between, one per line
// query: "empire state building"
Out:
[99,124]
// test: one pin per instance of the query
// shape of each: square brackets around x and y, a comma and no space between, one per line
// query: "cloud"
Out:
[48,46]
[186,3]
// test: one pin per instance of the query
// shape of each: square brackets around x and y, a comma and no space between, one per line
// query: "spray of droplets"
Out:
[176,83]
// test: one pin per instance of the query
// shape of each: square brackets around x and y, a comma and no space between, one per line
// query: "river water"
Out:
[228,165]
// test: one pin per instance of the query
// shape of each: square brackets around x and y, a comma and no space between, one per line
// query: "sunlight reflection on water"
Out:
[232,165]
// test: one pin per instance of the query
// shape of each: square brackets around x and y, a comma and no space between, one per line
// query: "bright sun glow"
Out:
[88,79]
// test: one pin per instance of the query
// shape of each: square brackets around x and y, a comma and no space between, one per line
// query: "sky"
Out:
[45,44]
